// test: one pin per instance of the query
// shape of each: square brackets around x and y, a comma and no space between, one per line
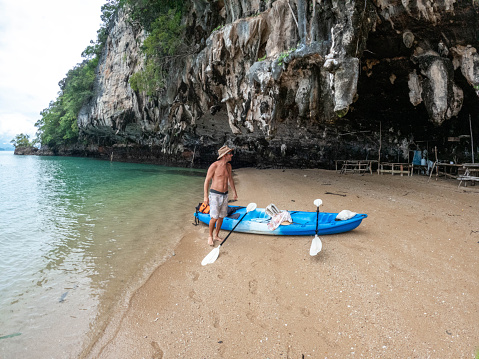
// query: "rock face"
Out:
[296,83]
[25,151]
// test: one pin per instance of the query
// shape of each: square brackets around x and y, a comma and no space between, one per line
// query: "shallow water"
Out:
[75,233]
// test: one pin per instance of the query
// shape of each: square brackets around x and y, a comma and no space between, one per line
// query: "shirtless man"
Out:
[220,176]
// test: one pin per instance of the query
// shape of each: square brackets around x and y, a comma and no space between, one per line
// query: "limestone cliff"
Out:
[296,83]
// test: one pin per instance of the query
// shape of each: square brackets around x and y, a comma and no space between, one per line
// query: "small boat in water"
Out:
[303,223]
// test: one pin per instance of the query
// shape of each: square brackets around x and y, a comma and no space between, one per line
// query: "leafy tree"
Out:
[22,140]
[58,124]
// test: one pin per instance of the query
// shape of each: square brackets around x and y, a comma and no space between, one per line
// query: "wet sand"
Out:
[401,285]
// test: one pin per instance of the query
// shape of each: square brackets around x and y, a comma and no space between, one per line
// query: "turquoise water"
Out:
[75,235]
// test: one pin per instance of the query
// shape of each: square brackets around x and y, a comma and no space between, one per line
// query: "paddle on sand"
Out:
[316,244]
[213,255]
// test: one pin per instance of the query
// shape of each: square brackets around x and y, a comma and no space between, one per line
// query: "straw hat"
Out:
[223,151]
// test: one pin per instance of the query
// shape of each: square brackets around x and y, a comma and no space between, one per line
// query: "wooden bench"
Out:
[395,168]
[355,166]
[465,178]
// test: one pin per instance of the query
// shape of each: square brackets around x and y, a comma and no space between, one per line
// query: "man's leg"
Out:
[223,211]
[213,216]
[211,228]
[218,227]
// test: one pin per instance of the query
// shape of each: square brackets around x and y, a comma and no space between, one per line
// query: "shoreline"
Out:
[101,330]
[400,285]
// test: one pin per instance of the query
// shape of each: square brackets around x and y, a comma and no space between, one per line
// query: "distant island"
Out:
[5,142]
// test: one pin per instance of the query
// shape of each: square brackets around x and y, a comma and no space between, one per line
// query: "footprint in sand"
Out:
[222,350]
[216,320]
[305,312]
[253,286]
[254,319]
[158,354]
[193,296]
[194,276]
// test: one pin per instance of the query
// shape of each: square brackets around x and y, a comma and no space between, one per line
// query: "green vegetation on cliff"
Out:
[58,124]
[160,47]
[162,21]
[108,12]
[165,42]
[146,12]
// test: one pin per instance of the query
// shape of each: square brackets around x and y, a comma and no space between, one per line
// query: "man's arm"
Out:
[231,181]
[209,177]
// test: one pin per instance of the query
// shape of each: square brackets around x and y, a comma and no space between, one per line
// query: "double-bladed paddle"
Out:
[213,255]
[316,244]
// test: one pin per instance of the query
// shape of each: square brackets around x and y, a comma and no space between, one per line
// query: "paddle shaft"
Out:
[316,244]
[236,225]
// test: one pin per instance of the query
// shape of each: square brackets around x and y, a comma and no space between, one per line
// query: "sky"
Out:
[40,40]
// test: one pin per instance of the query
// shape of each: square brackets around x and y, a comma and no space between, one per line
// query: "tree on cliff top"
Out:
[109,11]
[146,12]
[58,124]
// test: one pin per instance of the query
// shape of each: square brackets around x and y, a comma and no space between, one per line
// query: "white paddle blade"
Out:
[318,202]
[316,246]
[211,257]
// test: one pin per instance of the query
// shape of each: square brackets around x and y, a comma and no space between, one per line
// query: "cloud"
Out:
[39,42]
[12,124]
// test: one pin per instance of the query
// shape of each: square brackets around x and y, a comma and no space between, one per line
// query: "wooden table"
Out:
[353,166]
[471,173]
[394,168]
[471,168]
[448,169]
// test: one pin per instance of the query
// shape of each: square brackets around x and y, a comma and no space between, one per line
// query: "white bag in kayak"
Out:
[280,218]
[344,215]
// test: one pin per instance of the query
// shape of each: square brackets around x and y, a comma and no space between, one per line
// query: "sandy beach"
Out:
[401,285]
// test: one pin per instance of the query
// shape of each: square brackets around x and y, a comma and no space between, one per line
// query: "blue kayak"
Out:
[304,223]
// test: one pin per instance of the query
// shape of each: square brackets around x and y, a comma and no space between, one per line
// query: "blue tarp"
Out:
[417,158]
